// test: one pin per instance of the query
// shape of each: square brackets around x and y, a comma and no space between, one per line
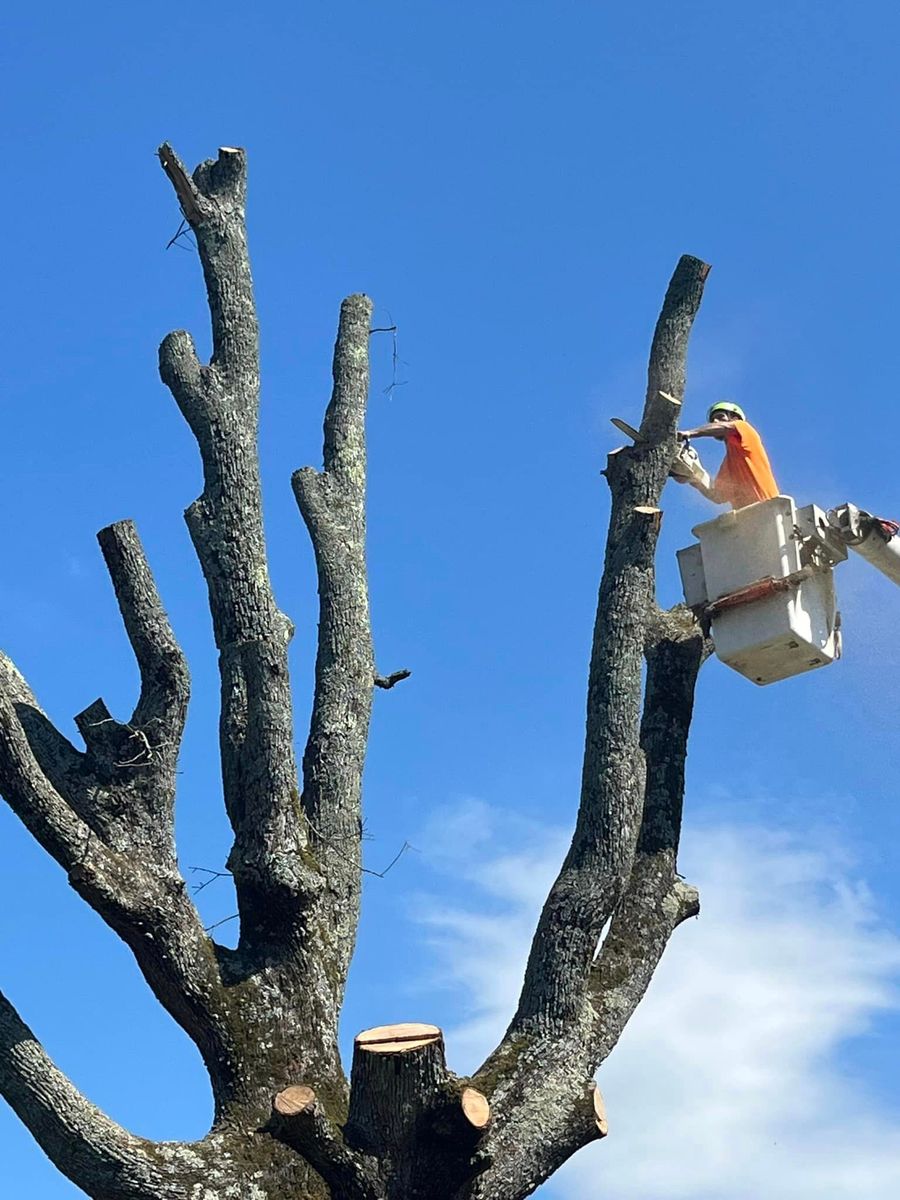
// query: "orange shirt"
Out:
[745,476]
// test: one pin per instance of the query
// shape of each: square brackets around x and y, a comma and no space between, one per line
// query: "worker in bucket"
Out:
[745,476]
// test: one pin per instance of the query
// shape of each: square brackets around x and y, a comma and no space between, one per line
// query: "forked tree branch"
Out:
[332,503]
[551,1047]
[656,900]
[109,822]
[220,402]
[599,860]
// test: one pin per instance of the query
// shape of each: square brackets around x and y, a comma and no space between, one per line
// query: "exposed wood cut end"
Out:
[600,1113]
[671,399]
[647,510]
[393,1039]
[294,1100]
[476,1108]
[230,150]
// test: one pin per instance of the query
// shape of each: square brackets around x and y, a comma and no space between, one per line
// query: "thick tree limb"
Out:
[656,899]
[220,402]
[125,869]
[165,682]
[300,1121]
[535,1077]
[96,1154]
[213,200]
[546,1108]
[535,1080]
[109,1163]
[599,860]
[57,757]
[668,354]
[333,506]
[29,793]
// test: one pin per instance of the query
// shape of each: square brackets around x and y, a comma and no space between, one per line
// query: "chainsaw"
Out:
[686,464]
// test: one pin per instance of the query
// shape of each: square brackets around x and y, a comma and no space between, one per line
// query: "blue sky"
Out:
[513,184]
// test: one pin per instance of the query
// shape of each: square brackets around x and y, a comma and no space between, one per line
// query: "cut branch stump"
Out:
[409,1111]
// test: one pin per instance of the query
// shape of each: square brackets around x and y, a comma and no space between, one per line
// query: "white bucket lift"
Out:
[761,579]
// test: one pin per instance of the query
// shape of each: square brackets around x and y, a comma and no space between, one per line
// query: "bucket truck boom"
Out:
[874,538]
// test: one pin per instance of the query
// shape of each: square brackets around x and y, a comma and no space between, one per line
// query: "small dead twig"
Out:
[396,360]
[183,231]
[388,681]
[381,874]
[354,861]
[213,876]
[145,753]
[224,921]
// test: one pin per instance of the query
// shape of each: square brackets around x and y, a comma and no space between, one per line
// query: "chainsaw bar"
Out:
[628,430]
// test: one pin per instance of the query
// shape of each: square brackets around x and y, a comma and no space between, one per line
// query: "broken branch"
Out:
[388,681]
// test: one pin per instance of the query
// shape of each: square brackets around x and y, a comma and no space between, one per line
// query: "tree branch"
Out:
[333,506]
[28,791]
[165,682]
[107,1161]
[389,681]
[300,1121]
[272,874]
[188,196]
[91,1150]
[656,900]
[599,860]
[119,856]
[537,1077]
[57,757]
[666,370]
[546,1108]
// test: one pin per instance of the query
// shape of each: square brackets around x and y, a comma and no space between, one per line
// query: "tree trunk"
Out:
[288,1123]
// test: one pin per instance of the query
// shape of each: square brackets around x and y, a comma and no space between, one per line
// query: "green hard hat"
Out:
[726,406]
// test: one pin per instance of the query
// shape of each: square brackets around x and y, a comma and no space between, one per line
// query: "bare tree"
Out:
[264,1015]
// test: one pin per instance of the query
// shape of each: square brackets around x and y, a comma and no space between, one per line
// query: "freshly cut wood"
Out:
[293,1100]
[393,1039]
[476,1108]
[600,1113]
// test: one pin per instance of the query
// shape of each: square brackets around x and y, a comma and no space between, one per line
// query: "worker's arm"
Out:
[715,429]
[708,492]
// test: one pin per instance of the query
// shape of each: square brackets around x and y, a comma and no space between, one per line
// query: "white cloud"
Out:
[727,1083]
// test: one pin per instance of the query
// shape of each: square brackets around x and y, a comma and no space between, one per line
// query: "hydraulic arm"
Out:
[874,538]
